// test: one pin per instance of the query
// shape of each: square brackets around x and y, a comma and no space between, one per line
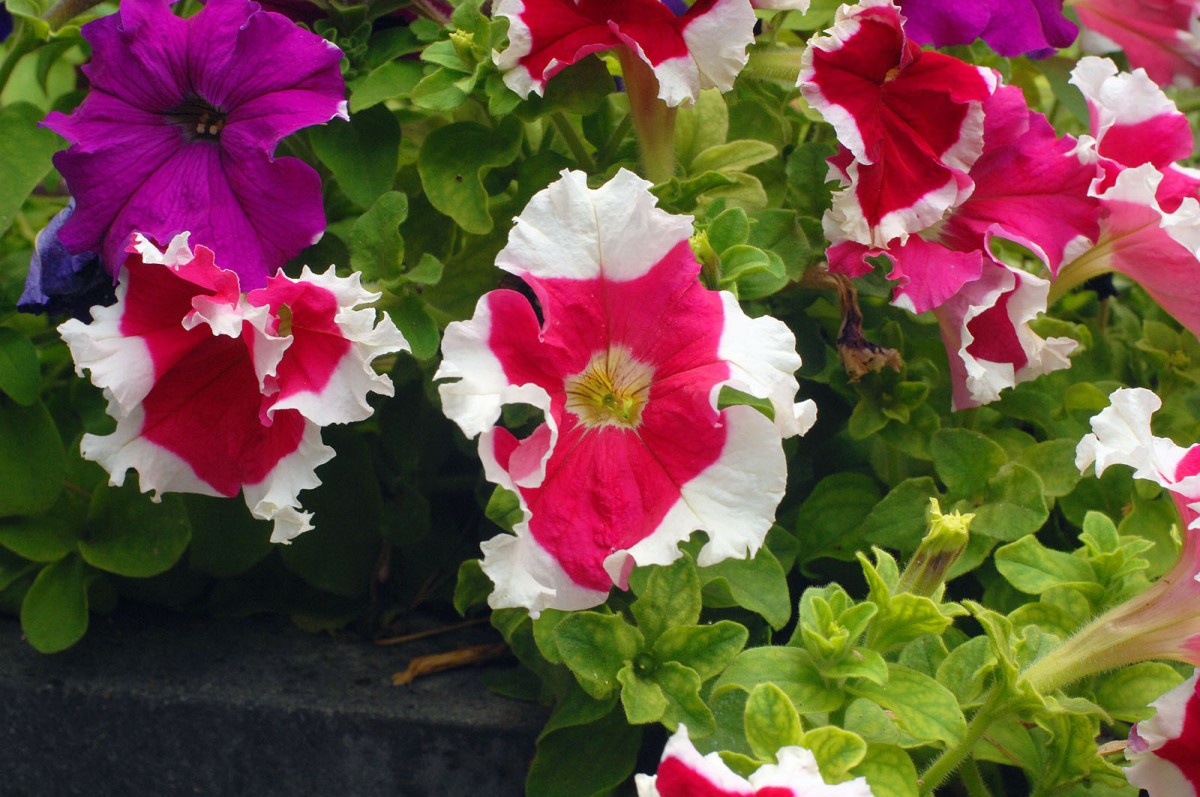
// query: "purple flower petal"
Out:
[1011,28]
[61,283]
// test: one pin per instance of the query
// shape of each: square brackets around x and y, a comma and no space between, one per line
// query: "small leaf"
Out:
[733,156]
[20,374]
[376,246]
[900,520]
[1127,693]
[472,587]
[362,153]
[922,706]
[791,669]
[889,771]
[681,686]
[451,165]
[643,700]
[771,721]
[32,461]
[25,150]
[707,649]
[1033,568]
[965,460]
[570,762]
[596,647]
[130,535]
[669,599]
[757,584]
[419,329]
[837,751]
[504,508]
[54,614]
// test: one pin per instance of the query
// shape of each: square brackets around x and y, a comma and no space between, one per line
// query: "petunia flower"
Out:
[1160,36]
[215,391]
[59,282]
[1164,621]
[1030,187]
[633,454]
[910,122]
[683,772]
[179,131]
[704,47]
[1165,749]
[1033,27]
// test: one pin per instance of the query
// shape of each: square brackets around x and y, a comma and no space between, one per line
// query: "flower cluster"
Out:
[217,391]
[936,190]
[626,363]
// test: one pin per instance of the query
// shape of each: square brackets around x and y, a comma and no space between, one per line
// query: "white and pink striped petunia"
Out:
[218,392]
[1165,749]
[626,364]
[683,772]
[702,47]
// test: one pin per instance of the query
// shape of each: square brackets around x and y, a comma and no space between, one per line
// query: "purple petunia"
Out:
[63,283]
[180,127]
[1033,27]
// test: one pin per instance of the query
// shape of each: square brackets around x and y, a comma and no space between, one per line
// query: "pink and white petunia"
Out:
[633,454]
[1133,123]
[911,123]
[990,344]
[1165,749]
[218,392]
[1164,621]
[1160,36]
[683,772]
[1158,250]
[704,47]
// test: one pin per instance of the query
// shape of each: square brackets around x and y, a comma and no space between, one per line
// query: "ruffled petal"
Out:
[1165,749]
[1034,27]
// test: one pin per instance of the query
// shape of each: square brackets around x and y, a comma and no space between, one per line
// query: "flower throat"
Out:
[611,391]
[197,118]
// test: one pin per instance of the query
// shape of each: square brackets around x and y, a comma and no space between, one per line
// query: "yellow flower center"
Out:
[611,391]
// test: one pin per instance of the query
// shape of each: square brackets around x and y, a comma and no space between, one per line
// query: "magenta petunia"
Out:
[1165,749]
[218,392]
[1160,36]
[1010,27]
[911,122]
[684,772]
[626,366]
[704,47]
[179,129]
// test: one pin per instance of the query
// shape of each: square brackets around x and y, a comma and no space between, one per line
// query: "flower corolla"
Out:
[1161,36]
[1165,749]
[179,129]
[59,282]
[683,772]
[215,391]
[626,363]
[704,47]
[1033,27]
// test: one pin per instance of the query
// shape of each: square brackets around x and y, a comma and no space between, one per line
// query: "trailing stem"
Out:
[945,764]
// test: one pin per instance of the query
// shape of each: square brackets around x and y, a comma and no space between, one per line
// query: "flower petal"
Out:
[1165,749]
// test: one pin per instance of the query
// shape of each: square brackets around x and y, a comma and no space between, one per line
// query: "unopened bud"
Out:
[943,544]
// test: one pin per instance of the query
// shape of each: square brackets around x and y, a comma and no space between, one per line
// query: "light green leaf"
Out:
[643,700]
[771,721]
[1127,693]
[596,647]
[707,649]
[376,246]
[472,586]
[837,751]
[504,508]
[889,771]
[25,151]
[1014,505]
[1033,568]
[733,156]
[757,584]
[965,460]
[922,706]
[1054,463]
[681,686]
[669,599]
[791,669]
[414,321]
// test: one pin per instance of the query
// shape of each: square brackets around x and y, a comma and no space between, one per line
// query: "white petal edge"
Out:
[797,770]
[1118,97]
[277,497]
[520,44]
[718,41]
[525,575]
[571,231]
[1159,777]
[1121,436]
[344,397]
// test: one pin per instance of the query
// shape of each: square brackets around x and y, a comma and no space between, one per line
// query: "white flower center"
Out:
[611,391]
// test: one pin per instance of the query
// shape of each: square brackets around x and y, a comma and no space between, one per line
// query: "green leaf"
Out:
[901,519]
[642,699]
[414,321]
[1033,568]
[504,508]
[472,587]
[1014,505]
[130,535]
[922,706]
[681,686]
[54,614]
[25,151]
[427,271]
[703,125]
[376,246]
[392,79]
[1054,463]
[965,460]
[791,669]
[757,584]
[12,569]
[570,762]
[41,538]
[441,90]
[1127,693]
[32,461]
[730,228]
[744,260]
[837,751]
[889,771]
[596,647]
[707,649]
[965,672]
[771,721]
[20,374]
[903,618]
[733,156]
[362,153]
[452,163]
[669,599]
[226,539]
[831,515]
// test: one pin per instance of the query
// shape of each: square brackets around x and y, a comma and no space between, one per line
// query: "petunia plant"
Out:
[803,392]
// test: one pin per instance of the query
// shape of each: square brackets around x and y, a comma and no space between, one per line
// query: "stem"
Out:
[618,135]
[20,43]
[973,781]
[653,121]
[775,63]
[573,142]
[1090,264]
[949,760]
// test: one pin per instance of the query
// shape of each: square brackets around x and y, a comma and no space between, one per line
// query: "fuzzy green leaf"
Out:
[837,751]
[362,153]
[669,599]
[791,669]
[452,163]
[707,649]
[376,246]
[922,706]
[1033,568]
[771,721]
[965,460]
[596,647]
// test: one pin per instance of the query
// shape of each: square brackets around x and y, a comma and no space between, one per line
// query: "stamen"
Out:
[611,391]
